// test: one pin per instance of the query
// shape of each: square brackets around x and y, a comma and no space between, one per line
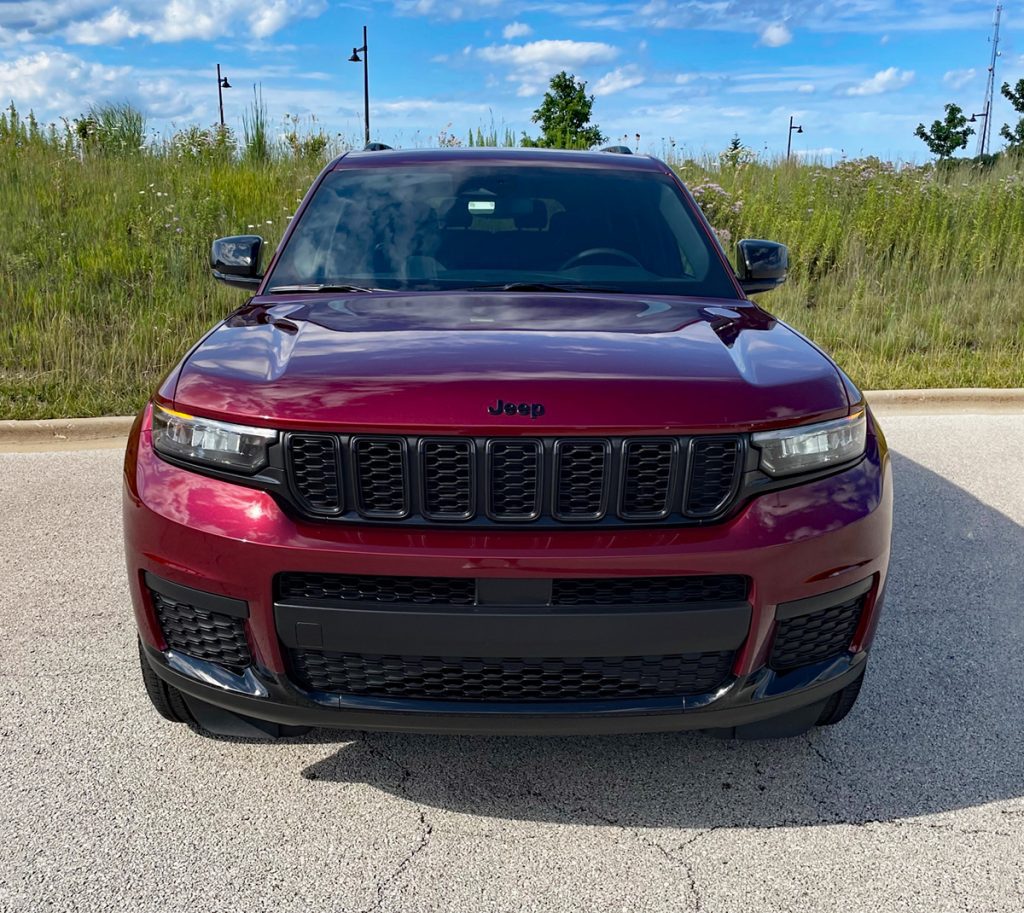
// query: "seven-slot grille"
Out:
[513,481]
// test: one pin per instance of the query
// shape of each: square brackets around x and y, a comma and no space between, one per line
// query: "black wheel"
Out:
[167,699]
[841,703]
[204,718]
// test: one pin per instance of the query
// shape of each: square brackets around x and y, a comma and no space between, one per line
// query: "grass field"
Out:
[911,278]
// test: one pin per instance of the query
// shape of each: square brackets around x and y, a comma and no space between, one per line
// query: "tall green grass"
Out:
[910,279]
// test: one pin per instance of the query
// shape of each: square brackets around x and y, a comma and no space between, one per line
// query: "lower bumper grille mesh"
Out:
[509,679]
[815,637]
[205,635]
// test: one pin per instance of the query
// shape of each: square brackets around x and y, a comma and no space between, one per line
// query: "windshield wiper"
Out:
[288,289]
[544,287]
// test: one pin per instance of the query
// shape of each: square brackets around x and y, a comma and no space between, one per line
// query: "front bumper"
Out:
[794,545]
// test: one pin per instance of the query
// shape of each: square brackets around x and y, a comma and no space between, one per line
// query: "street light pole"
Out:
[789,136]
[222,84]
[366,81]
[984,117]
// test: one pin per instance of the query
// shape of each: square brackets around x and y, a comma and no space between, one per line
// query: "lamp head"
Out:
[224,84]
[355,58]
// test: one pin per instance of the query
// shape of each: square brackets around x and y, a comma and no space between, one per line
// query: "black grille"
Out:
[513,470]
[714,470]
[487,481]
[366,588]
[205,635]
[381,477]
[650,590]
[313,462]
[647,479]
[448,482]
[812,638]
[581,470]
[510,679]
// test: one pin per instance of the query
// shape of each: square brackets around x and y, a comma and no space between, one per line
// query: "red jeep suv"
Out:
[499,444]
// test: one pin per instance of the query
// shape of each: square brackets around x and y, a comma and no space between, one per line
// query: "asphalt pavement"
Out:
[915,802]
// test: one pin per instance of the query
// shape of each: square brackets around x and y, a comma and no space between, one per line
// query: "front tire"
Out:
[167,700]
[204,718]
[841,703]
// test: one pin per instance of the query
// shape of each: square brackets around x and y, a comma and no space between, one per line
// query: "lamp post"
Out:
[974,118]
[366,81]
[789,136]
[222,84]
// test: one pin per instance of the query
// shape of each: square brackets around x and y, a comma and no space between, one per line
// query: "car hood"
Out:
[441,362]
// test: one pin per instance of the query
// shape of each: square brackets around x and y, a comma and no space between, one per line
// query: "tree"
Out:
[564,116]
[1015,96]
[946,136]
[736,154]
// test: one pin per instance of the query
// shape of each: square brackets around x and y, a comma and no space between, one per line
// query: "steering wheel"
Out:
[590,252]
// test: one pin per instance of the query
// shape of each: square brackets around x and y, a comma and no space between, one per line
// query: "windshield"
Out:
[456,225]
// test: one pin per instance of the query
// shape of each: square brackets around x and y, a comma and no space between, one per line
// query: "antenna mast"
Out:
[985,137]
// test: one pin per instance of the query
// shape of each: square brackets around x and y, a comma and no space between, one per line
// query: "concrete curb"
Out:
[109,428]
[961,399]
[64,430]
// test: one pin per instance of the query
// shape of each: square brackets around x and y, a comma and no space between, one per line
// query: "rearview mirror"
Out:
[761,265]
[236,260]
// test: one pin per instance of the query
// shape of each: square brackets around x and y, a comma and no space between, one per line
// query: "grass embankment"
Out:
[910,280]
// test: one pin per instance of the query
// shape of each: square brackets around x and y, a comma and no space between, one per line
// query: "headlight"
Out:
[211,443]
[811,447]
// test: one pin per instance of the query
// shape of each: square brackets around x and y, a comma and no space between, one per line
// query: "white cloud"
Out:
[411,107]
[96,22]
[618,80]
[531,65]
[516,30]
[550,54]
[776,35]
[54,82]
[957,79]
[889,80]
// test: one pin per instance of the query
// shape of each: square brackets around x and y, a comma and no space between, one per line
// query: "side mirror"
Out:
[761,265]
[236,261]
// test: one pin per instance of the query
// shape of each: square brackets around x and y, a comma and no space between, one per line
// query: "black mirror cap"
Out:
[235,261]
[761,265]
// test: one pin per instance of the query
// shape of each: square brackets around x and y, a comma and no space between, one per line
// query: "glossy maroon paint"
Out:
[434,361]
[224,538]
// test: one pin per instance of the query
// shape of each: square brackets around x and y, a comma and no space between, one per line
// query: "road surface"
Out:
[916,802]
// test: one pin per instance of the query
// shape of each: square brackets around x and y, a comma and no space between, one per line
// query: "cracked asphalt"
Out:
[916,802]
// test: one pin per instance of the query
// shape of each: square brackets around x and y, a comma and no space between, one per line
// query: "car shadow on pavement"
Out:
[939,726]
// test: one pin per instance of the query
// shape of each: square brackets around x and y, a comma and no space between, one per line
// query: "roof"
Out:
[495,155]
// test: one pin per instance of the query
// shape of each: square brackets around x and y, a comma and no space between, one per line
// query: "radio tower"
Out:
[985,137]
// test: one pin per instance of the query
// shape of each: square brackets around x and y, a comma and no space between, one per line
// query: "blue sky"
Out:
[857,74]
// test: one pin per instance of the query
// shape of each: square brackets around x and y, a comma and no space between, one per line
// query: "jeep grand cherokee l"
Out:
[500,444]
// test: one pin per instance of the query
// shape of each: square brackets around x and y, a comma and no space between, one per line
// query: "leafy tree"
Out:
[564,116]
[948,135]
[1015,96]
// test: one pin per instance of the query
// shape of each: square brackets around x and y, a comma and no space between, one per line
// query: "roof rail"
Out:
[376,147]
[618,150]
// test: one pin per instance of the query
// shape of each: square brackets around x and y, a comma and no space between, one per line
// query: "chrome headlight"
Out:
[210,443]
[811,447]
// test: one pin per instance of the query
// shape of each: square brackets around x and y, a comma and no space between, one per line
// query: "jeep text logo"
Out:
[534,410]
